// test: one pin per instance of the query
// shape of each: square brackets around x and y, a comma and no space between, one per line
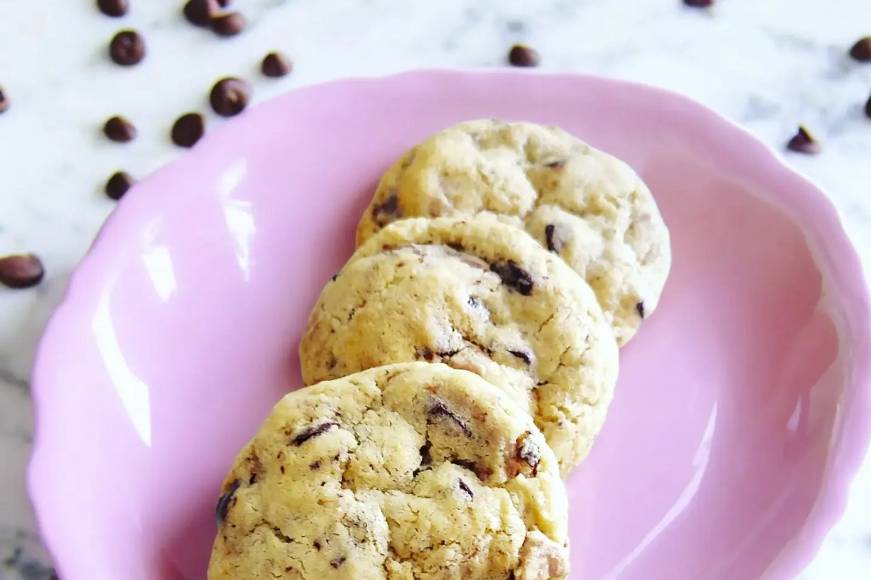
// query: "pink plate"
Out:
[743,405]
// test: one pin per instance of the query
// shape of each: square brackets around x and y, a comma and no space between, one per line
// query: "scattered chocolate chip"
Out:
[698,3]
[118,184]
[425,353]
[804,142]
[127,48]
[523,55]
[229,96]
[281,536]
[4,101]
[528,451]
[336,562]
[425,457]
[334,277]
[438,408]
[558,164]
[861,50]
[188,129]
[867,108]
[224,501]
[524,356]
[275,65]
[315,465]
[639,307]
[113,7]
[119,129]
[527,456]
[554,242]
[448,353]
[21,271]
[200,12]
[229,24]
[513,276]
[312,431]
[317,545]
[456,246]
[381,212]
[465,487]
[482,473]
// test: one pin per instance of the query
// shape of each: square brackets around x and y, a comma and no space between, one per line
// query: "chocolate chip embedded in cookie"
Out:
[584,205]
[479,295]
[406,471]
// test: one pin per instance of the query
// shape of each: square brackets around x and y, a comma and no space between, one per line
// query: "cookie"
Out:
[586,206]
[401,472]
[479,295]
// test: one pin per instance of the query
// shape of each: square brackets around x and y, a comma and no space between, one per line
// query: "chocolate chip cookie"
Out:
[479,295]
[406,471]
[584,205]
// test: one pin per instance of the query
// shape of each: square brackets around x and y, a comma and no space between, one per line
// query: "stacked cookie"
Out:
[462,360]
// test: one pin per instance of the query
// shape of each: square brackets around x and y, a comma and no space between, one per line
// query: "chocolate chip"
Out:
[861,50]
[639,307]
[448,353]
[528,451]
[513,276]
[200,12]
[21,271]
[804,142]
[558,164]
[527,456]
[523,55]
[336,562]
[554,242]
[275,65]
[317,545]
[425,457]
[127,48]
[188,129]
[480,471]
[229,96]
[4,101]
[465,487]
[224,501]
[119,129]
[312,431]
[113,7]
[424,352]
[229,24]
[438,408]
[118,184]
[524,356]
[315,465]
[698,3]
[867,108]
[457,247]
[388,207]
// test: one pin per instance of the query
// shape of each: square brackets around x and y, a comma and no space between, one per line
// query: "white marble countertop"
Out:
[768,64]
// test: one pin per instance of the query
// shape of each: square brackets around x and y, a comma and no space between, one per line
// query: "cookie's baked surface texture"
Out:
[479,295]
[403,472]
[585,205]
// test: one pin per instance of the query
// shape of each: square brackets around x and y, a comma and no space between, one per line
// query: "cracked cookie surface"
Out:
[407,471]
[588,207]
[479,295]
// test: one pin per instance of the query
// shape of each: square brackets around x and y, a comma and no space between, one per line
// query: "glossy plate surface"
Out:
[743,404]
